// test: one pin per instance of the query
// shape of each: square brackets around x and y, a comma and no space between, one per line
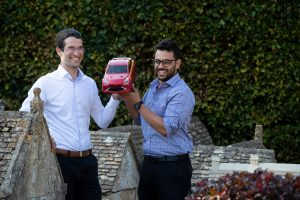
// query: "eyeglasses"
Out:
[165,62]
[72,49]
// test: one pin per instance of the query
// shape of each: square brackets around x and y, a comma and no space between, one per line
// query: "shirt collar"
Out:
[63,73]
[171,82]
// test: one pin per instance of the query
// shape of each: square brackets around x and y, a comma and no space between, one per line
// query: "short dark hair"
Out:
[65,33]
[169,45]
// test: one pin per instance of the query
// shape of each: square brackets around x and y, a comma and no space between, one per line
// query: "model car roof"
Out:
[122,58]
[119,61]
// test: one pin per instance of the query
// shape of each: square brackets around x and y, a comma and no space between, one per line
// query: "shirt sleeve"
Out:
[179,108]
[103,115]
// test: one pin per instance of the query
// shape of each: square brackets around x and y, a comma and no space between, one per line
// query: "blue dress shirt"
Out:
[174,102]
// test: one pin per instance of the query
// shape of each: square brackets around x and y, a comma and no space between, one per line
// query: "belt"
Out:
[73,154]
[165,158]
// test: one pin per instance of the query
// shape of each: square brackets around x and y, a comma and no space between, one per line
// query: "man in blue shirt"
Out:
[164,114]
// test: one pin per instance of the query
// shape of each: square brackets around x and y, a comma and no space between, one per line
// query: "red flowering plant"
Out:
[260,185]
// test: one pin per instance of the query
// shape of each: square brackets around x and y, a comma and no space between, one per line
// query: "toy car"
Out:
[119,76]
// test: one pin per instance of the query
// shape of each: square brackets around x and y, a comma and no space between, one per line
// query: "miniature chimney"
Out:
[2,105]
[36,105]
[259,132]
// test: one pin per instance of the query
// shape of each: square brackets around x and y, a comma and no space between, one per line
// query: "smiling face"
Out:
[166,66]
[72,54]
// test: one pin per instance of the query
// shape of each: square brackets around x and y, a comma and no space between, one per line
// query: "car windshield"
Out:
[115,69]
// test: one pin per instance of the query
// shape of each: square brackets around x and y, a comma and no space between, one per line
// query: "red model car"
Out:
[119,76]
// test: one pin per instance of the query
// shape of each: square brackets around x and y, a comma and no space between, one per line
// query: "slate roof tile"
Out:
[12,126]
[110,148]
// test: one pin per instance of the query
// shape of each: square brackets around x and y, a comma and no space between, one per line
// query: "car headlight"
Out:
[105,81]
[126,81]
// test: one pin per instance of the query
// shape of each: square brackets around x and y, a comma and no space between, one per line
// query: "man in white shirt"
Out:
[70,98]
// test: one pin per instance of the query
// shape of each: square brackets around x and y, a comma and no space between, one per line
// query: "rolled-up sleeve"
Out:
[179,109]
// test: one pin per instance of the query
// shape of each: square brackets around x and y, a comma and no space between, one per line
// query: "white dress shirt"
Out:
[68,105]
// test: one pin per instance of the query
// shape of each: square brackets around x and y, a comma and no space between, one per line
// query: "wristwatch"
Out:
[138,105]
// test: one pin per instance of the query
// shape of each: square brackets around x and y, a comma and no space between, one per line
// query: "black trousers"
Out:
[81,175]
[165,180]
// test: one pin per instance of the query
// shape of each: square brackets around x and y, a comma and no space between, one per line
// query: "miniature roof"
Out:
[136,140]
[26,158]
[112,149]
[197,130]
[12,126]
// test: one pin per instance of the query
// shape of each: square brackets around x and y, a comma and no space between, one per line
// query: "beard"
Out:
[169,74]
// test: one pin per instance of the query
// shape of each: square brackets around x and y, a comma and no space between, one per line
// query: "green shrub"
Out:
[241,58]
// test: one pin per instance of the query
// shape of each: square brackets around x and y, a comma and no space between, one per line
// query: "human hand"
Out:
[133,96]
[116,96]
[53,144]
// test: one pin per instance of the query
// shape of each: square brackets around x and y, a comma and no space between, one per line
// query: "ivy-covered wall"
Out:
[241,58]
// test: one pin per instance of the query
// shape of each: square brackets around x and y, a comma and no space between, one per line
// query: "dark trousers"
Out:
[165,180]
[81,176]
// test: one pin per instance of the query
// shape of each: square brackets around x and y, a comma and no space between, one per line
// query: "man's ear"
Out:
[58,51]
[178,63]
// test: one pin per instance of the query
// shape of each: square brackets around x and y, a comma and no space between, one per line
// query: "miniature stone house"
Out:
[198,132]
[26,159]
[28,168]
[118,149]
[204,151]
[117,167]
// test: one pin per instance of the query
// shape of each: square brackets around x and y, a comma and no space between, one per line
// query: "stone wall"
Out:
[203,157]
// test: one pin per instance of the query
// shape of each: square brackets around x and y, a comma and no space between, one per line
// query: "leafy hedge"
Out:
[241,58]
